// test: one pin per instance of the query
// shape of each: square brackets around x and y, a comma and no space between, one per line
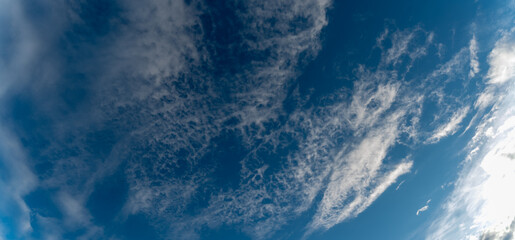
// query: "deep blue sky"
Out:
[310,119]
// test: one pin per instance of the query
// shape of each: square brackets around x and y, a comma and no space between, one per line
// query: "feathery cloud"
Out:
[450,127]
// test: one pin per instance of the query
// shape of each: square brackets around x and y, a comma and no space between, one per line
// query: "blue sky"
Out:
[311,119]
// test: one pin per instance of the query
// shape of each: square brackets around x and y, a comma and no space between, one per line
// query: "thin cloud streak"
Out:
[450,127]
[400,184]
[474,63]
[424,208]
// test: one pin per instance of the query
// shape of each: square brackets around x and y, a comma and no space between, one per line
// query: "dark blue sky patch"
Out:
[224,232]
[108,199]
[29,123]
[99,18]
[224,39]
[7,38]
[228,152]
[38,11]
[42,202]
[100,143]
[74,93]
[137,227]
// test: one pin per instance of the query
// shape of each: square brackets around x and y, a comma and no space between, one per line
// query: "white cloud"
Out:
[399,185]
[481,204]
[157,90]
[73,209]
[424,208]
[500,234]
[372,119]
[405,46]
[376,116]
[484,99]
[256,94]
[145,75]
[77,217]
[502,62]
[474,63]
[358,171]
[452,67]
[450,127]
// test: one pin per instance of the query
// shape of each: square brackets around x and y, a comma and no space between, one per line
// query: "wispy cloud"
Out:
[348,175]
[346,195]
[17,181]
[474,63]
[406,46]
[77,217]
[481,204]
[450,127]
[159,88]
[399,185]
[359,176]
[424,208]
[160,97]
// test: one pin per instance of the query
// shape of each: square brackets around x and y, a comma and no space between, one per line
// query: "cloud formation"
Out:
[424,208]
[450,127]
[480,198]
[17,181]
[157,100]
[156,94]
[152,89]
[474,63]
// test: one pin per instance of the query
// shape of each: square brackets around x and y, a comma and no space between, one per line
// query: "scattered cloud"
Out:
[406,46]
[162,99]
[424,208]
[154,93]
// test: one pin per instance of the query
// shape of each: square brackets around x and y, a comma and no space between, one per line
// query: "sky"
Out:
[257,119]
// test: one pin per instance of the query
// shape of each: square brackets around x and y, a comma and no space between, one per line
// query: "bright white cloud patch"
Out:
[502,63]
[481,206]
[422,209]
